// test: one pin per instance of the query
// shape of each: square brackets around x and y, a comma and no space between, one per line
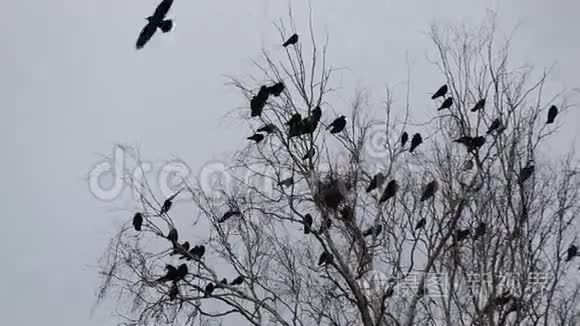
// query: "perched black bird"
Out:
[310,154]
[166,206]
[440,92]
[337,125]
[256,137]
[181,272]
[292,40]
[571,252]
[172,235]
[316,113]
[310,124]
[173,292]
[465,140]
[269,128]
[390,191]
[430,190]
[373,230]
[208,290]
[286,182]
[295,124]
[461,235]
[479,105]
[404,138]
[446,104]
[178,250]
[472,143]
[137,221]
[197,252]
[224,281]
[258,102]
[307,220]
[347,213]
[421,223]
[552,113]
[377,181]
[526,173]
[480,230]
[495,125]
[229,214]
[415,141]
[157,20]
[325,258]
[238,280]
[276,89]
[170,275]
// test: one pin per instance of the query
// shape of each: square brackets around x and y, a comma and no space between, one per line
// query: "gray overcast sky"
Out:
[72,85]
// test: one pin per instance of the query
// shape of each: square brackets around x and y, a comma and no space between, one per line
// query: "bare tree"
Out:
[471,227]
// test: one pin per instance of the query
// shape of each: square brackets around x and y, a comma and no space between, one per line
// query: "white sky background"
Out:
[72,85]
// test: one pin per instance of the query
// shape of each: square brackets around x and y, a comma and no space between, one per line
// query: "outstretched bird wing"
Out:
[146,34]
[162,9]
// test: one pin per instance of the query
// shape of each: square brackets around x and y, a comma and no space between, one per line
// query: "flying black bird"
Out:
[390,191]
[238,280]
[286,182]
[137,221]
[571,252]
[552,113]
[430,190]
[461,235]
[229,214]
[495,125]
[307,220]
[208,290]
[258,102]
[172,235]
[440,92]
[325,258]
[480,230]
[170,275]
[181,272]
[446,104]
[157,20]
[173,292]
[310,154]
[292,40]
[269,128]
[415,141]
[373,230]
[337,125]
[276,89]
[479,105]
[177,250]
[526,173]
[421,223]
[256,137]
[404,138]
[377,181]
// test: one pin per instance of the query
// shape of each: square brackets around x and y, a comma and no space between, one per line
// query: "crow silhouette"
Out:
[238,280]
[415,141]
[179,249]
[465,140]
[157,20]
[137,221]
[347,213]
[258,102]
[325,258]
[295,125]
[479,105]
[256,138]
[480,230]
[224,281]
[286,182]
[495,125]
[526,173]
[377,181]
[181,272]
[421,224]
[571,252]
[373,230]
[440,92]
[310,124]
[337,125]
[173,292]
[552,113]
[197,252]
[291,41]
[208,290]
[172,235]
[430,190]
[170,275]
[446,104]
[307,220]
[472,143]
[269,128]
[227,215]
[276,89]
[166,206]
[390,191]
[404,138]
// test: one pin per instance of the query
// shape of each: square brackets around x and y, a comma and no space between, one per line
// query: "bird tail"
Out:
[166,25]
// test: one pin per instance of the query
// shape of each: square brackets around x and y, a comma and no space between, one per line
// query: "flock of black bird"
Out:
[298,126]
